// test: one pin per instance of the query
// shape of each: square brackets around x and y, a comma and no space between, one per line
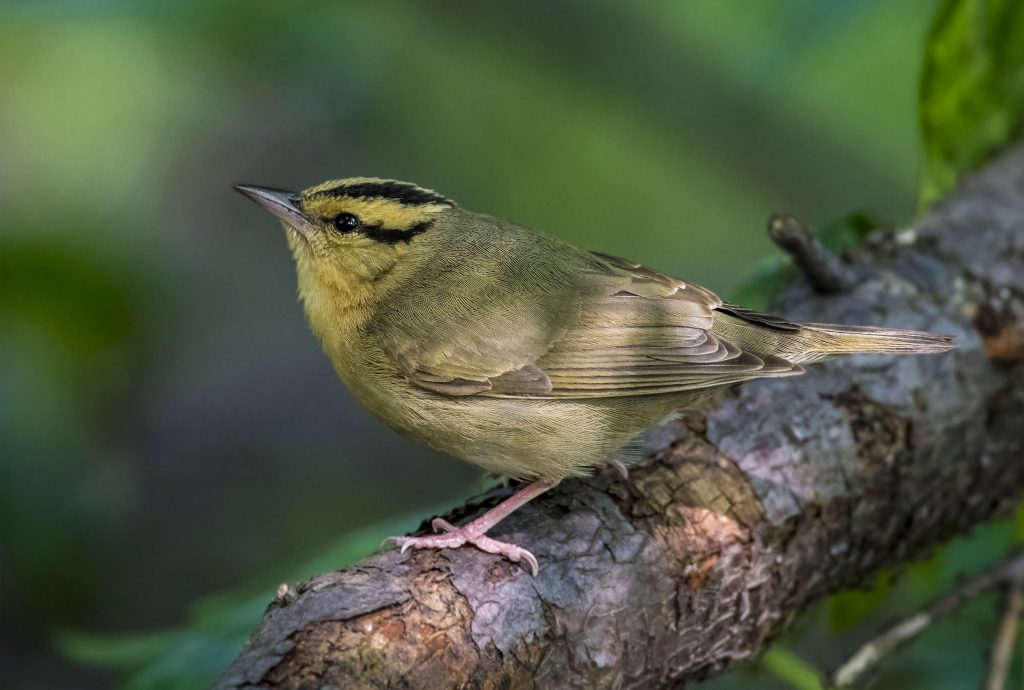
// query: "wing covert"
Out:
[628,331]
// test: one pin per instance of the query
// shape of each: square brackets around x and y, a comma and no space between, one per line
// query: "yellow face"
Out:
[360,225]
[347,234]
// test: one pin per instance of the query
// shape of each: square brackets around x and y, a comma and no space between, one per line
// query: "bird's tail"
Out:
[804,343]
[825,339]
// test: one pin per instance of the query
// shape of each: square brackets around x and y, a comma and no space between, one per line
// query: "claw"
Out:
[400,542]
[454,537]
[528,557]
[475,532]
[619,467]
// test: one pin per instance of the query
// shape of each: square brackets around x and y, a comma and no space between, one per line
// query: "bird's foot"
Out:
[453,537]
[475,532]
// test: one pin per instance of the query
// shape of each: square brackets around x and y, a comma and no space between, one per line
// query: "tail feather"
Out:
[805,343]
[834,339]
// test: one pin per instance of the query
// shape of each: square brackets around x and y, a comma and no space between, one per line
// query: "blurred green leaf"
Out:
[849,231]
[846,609]
[1018,522]
[117,651]
[84,305]
[768,276]
[190,658]
[791,668]
[972,88]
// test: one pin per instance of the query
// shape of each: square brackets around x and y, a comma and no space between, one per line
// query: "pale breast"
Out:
[520,438]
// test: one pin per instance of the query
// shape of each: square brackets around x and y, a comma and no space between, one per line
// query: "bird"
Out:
[516,351]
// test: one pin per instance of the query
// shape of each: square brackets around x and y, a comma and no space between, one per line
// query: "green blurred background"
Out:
[168,426]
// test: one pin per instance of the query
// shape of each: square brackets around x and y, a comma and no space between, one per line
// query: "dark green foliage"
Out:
[191,656]
[972,88]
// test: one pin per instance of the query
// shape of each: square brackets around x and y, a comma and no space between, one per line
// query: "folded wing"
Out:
[632,331]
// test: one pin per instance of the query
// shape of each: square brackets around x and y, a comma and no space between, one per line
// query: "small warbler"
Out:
[513,350]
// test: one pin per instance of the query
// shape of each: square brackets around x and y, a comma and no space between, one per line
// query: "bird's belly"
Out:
[516,437]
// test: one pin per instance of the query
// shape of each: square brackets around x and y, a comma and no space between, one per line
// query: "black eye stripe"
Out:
[384,235]
[348,222]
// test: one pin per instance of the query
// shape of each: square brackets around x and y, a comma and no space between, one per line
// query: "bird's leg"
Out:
[475,532]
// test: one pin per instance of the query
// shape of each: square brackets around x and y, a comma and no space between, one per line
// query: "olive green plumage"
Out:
[511,349]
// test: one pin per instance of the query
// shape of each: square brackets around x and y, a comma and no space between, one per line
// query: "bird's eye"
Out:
[345,222]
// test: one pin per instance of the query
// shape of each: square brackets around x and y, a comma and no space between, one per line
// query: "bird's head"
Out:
[353,237]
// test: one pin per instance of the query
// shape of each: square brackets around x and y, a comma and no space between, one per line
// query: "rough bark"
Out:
[769,498]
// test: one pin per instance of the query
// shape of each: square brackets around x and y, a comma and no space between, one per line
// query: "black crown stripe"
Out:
[403,193]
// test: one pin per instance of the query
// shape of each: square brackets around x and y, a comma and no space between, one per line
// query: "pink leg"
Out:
[474,532]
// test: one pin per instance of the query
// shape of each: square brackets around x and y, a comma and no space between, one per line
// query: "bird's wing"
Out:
[631,331]
[646,333]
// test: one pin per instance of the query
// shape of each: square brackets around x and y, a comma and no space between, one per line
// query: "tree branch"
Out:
[822,269]
[762,502]
[1006,635]
[1007,573]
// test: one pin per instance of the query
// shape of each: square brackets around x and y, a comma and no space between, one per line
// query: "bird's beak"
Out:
[279,202]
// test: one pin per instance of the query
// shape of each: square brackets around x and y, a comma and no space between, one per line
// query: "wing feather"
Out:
[632,331]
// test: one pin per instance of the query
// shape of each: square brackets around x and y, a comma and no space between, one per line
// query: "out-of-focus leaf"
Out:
[83,305]
[117,651]
[848,608]
[1018,522]
[190,658]
[791,668]
[849,231]
[768,277]
[972,88]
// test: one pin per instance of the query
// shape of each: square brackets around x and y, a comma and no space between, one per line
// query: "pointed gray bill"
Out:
[279,202]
